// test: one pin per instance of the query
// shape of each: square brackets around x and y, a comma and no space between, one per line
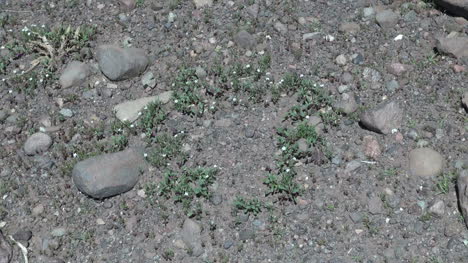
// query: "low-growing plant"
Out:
[445,181]
[152,117]
[249,206]
[165,148]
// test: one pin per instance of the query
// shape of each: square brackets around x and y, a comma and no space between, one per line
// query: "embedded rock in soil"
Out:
[425,162]
[128,4]
[387,19]
[191,235]
[456,7]
[371,147]
[384,118]
[437,208]
[462,186]
[129,110]
[121,63]
[465,100]
[350,27]
[347,104]
[453,46]
[74,74]
[245,40]
[202,3]
[109,174]
[398,69]
[37,143]
[5,249]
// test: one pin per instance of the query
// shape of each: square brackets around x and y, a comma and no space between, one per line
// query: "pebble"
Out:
[148,80]
[37,210]
[121,63]
[347,104]
[383,118]
[341,60]
[437,208]
[245,40]
[110,174]
[281,28]
[425,162]
[371,147]
[392,85]
[74,74]
[37,143]
[66,113]
[58,232]
[202,3]
[387,19]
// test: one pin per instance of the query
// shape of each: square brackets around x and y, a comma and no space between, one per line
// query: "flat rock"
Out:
[454,46]
[350,27]
[74,74]
[191,235]
[129,110]
[383,118]
[109,174]
[462,186]
[6,251]
[37,143]
[387,18]
[425,162]
[456,7]
[202,3]
[121,63]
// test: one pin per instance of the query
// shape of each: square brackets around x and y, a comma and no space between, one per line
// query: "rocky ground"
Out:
[233,131]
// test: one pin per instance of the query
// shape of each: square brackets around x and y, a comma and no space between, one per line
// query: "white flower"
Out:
[268,37]
[2,47]
[176,101]
[234,99]
[131,125]
[287,170]
[247,66]
[43,26]
[307,117]
[186,194]
[75,155]
[301,76]
[139,113]
[30,79]
[41,80]
[283,148]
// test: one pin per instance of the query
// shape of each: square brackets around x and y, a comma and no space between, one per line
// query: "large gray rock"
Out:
[387,18]
[456,7]
[462,185]
[425,162]
[109,174]
[191,235]
[384,118]
[453,46]
[74,74]
[37,143]
[121,63]
[129,110]
[5,249]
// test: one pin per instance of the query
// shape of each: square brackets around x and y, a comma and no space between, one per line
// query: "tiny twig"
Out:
[17,11]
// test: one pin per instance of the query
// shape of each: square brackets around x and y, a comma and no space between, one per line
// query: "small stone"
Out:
[74,74]
[303,145]
[398,69]
[253,10]
[341,60]
[371,147]
[245,40]
[100,222]
[148,80]
[347,104]
[58,232]
[228,244]
[200,72]
[281,28]
[342,88]
[128,4]
[109,174]
[384,118]
[129,110]
[387,19]
[191,235]
[66,113]
[203,3]
[37,143]
[347,78]
[121,63]
[311,36]
[425,162]
[375,205]
[392,85]
[37,210]
[437,208]
[458,68]
[22,235]
[356,217]
[371,75]
[216,199]
[350,27]
[368,12]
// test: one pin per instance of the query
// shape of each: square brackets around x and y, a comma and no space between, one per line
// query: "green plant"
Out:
[425,217]
[152,116]
[164,149]
[188,185]
[187,98]
[249,206]
[445,181]
[168,255]
[139,3]
[119,142]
